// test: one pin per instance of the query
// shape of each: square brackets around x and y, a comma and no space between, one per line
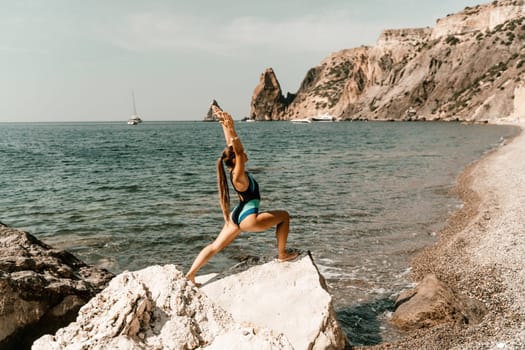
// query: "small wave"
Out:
[332,272]
[127,188]
[404,273]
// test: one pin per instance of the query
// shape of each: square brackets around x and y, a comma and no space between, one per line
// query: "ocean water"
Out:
[362,196]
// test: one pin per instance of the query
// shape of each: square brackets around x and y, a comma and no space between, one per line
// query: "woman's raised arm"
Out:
[240,179]
[230,135]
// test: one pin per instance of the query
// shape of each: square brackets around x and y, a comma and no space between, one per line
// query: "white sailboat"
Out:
[134,119]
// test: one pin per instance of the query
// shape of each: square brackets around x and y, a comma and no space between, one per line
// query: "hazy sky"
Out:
[69,60]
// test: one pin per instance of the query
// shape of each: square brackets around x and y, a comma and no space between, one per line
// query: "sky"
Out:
[72,60]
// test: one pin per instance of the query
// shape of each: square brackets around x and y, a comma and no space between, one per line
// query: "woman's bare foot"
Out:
[192,280]
[289,256]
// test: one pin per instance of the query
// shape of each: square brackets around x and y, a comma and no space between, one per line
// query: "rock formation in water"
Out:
[41,288]
[268,102]
[469,67]
[157,308]
[210,117]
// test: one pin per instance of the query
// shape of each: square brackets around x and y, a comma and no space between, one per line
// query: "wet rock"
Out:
[41,288]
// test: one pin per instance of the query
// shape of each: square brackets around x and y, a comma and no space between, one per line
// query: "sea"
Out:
[364,197]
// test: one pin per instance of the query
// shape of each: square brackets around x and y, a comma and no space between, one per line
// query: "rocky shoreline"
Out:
[51,300]
[480,256]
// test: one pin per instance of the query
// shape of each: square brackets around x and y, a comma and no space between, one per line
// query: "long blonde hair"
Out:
[227,157]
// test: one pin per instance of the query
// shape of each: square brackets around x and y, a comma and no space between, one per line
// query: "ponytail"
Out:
[224,192]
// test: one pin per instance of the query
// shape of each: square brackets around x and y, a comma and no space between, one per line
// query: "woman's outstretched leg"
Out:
[228,233]
[263,221]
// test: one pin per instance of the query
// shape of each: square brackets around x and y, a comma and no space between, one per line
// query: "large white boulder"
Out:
[289,297]
[157,308]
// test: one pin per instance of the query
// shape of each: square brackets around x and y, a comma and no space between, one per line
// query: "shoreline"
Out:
[480,254]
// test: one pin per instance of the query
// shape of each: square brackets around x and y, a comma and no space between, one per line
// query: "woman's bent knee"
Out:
[283,215]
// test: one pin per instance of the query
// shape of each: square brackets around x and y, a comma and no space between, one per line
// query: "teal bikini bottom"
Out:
[242,210]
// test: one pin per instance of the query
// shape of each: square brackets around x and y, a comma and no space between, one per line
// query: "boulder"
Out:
[157,308]
[431,303]
[42,288]
[290,297]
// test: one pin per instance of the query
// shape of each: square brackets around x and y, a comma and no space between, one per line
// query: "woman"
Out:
[245,216]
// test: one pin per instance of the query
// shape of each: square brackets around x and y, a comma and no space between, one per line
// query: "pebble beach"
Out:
[480,254]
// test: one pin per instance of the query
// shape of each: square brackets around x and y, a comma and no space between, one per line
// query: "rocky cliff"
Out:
[268,102]
[469,67]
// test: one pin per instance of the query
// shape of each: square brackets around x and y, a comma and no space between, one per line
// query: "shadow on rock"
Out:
[23,339]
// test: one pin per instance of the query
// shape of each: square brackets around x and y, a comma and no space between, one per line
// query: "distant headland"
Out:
[469,67]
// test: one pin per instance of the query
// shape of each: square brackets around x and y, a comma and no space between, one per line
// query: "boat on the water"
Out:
[301,121]
[324,118]
[135,118]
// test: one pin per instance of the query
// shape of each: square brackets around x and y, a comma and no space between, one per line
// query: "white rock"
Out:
[289,297]
[250,339]
[156,308]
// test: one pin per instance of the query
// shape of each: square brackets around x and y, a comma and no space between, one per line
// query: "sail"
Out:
[135,119]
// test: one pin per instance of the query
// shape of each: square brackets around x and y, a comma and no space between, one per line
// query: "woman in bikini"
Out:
[245,216]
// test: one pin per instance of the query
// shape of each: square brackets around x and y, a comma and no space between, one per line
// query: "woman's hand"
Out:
[225,118]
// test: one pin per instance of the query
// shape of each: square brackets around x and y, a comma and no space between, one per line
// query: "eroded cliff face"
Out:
[268,102]
[470,67]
